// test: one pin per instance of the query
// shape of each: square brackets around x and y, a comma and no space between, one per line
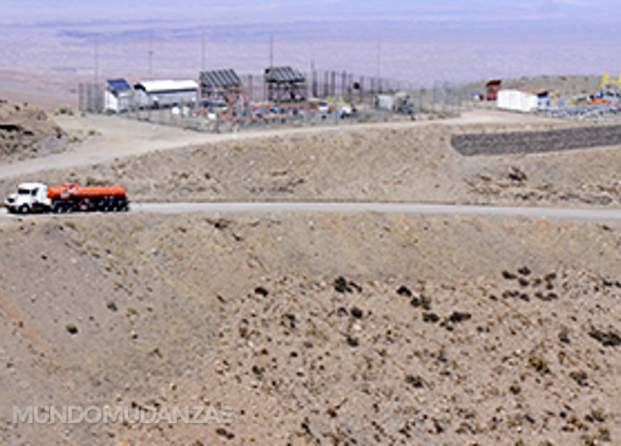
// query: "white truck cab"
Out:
[30,197]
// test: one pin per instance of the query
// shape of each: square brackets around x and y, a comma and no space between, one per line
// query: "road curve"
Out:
[353,207]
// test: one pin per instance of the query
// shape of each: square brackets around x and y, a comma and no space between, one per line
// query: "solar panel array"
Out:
[220,79]
[284,74]
[118,84]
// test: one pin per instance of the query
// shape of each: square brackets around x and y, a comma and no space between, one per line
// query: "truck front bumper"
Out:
[10,207]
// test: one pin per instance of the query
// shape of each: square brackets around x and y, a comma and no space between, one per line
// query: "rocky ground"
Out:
[314,328]
[28,132]
[416,164]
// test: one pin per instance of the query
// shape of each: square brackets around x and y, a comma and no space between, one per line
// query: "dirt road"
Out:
[106,138]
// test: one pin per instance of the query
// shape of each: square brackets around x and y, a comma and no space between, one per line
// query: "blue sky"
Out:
[280,11]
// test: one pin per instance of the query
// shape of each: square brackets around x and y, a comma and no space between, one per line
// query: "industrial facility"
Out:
[285,84]
[221,99]
[218,85]
[583,103]
[165,93]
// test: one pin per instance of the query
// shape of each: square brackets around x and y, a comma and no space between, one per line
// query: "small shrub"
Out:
[539,364]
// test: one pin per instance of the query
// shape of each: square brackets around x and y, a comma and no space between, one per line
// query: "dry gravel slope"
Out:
[26,132]
[414,164]
[442,330]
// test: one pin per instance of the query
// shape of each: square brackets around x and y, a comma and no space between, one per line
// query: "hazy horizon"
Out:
[242,12]
[420,43]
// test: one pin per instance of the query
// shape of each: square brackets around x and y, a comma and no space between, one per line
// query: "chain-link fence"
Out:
[328,97]
[325,84]
[91,98]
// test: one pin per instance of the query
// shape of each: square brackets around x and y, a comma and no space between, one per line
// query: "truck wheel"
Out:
[24,209]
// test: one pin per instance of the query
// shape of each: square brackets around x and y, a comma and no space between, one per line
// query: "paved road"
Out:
[398,208]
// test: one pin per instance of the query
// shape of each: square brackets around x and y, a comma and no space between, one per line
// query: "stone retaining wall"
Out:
[537,141]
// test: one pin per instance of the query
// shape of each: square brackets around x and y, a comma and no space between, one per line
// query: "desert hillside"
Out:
[322,327]
[401,164]
[26,132]
[315,328]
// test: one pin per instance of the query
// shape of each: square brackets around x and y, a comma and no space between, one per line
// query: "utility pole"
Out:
[313,74]
[379,49]
[151,55]
[271,52]
[96,66]
[96,93]
[203,51]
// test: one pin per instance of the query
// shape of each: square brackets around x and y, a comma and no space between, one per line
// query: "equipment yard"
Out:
[382,308]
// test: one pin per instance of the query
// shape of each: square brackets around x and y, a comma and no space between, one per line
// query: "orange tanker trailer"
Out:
[38,197]
[87,198]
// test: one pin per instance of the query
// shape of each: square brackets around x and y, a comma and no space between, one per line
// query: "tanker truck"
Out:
[38,197]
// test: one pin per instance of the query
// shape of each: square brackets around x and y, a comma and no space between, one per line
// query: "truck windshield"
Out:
[23,192]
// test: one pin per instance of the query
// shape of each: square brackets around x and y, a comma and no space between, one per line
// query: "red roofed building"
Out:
[493,87]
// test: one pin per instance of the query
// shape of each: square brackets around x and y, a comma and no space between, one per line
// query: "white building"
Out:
[166,93]
[117,96]
[523,101]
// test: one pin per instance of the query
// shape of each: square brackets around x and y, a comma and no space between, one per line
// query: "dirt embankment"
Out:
[26,132]
[385,164]
[362,328]
[414,164]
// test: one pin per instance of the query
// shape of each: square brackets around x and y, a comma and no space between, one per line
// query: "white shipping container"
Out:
[517,100]
[384,102]
[166,93]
